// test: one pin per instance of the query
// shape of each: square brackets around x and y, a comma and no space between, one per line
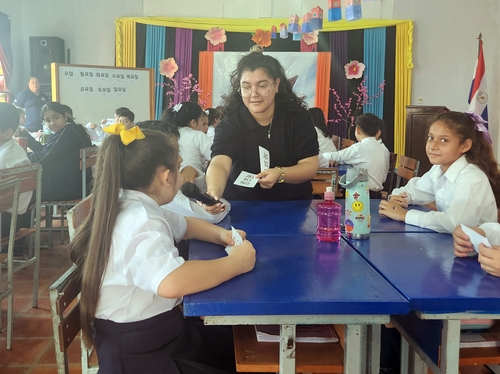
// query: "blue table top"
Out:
[425,270]
[379,223]
[272,217]
[296,275]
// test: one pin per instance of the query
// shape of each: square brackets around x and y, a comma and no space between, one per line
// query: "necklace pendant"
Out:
[269,134]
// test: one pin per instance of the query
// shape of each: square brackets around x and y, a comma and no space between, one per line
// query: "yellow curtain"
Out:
[205,78]
[323,81]
[402,93]
[251,24]
[125,42]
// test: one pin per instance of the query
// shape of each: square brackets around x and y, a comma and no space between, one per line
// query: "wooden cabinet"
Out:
[417,125]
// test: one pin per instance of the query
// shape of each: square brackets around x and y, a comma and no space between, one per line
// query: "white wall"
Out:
[444,52]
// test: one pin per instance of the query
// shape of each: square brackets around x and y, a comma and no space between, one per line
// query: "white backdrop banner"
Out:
[300,69]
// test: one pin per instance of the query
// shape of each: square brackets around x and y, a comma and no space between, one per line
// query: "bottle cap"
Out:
[329,195]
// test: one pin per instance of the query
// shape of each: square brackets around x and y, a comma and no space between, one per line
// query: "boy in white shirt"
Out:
[12,155]
[369,153]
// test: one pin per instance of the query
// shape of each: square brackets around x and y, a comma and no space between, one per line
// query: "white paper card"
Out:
[264,158]
[246,179]
[475,238]
[238,240]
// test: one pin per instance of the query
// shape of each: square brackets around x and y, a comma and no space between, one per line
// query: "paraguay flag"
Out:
[478,96]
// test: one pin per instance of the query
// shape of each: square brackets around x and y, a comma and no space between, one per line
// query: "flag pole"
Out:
[480,38]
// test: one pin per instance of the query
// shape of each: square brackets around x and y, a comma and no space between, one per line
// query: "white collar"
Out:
[454,170]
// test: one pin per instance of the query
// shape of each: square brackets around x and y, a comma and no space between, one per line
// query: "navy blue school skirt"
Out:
[166,343]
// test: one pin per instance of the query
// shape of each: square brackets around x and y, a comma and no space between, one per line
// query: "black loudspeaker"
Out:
[45,50]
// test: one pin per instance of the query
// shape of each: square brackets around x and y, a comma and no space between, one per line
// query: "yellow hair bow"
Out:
[126,136]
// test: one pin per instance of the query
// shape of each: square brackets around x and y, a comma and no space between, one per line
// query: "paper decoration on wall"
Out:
[310,38]
[293,23]
[283,31]
[317,18]
[168,67]
[334,10]
[273,32]
[216,36]
[306,23]
[262,38]
[297,36]
[352,10]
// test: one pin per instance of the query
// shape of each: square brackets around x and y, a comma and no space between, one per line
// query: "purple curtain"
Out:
[338,81]
[183,52]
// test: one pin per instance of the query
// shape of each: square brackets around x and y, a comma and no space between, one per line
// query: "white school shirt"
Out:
[142,254]
[194,148]
[370,154]
[463,195]
[492,231]
[13,155]
[325,143]
[211,132]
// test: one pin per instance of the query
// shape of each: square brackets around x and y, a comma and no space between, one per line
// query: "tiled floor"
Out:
[32,346]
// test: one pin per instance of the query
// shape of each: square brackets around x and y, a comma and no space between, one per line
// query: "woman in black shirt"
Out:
[262,111]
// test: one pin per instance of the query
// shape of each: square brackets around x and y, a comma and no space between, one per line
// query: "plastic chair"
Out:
[30,177]
[9,200]
[407,169]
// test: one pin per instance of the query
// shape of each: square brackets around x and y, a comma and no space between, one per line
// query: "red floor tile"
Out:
[24,351]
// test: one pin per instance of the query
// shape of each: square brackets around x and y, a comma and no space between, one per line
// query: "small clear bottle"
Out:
[329,213]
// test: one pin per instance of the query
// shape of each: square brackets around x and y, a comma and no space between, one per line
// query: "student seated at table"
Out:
[194,144]
[100,134]
[12,155]
[133,279]
[369,153]
[181,204]
[323,132]
[60,156]
[464,181]
[214,117]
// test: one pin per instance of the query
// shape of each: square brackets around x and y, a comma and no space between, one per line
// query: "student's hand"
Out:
[268,178]
[332,164]
[401,199]
[489,258]
[91,126]
[226,236]
[244,256]
[104,121]
[392,210]
[213,209]
[189,174]
[461,243]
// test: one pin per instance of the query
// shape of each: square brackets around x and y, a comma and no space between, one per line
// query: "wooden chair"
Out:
[88,158]
[407,169]
[260,357]
[344,143]
[325,177]
[390,181]
[65,303]
[30,177]
[9,200]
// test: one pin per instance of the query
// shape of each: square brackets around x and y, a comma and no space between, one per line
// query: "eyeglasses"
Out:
[261,90]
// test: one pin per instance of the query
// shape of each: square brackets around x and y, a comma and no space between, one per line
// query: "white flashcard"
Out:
[475,238]
[238,240]
[264,158]
[246,179]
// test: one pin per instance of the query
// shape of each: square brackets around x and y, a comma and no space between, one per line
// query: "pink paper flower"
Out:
[168,67]
[354,69]
[216,36]
[311,37]
[262,38]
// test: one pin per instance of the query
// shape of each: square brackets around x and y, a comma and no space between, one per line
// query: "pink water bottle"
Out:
[329,212]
